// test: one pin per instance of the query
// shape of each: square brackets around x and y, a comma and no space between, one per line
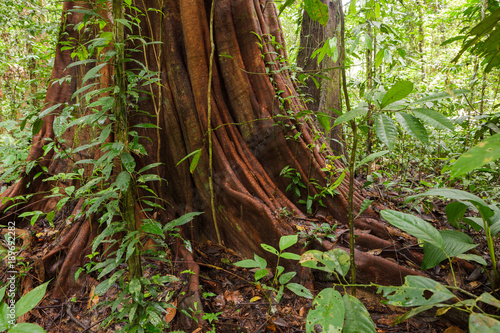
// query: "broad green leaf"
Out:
[335,260]
[269,248]
[317,11]
[283,6]
[455,211]
[4,320]
[412,292]
[324,121]
[379,57]
[358,112]
[194,162]
[26,328]
[364,205]
[135,287]
[455,243]
[122,180]
[286,277]
[260,261]
[485,152]
[246,263]
[300,290]
[49,110]
[2,292]
[371,157]
[261,273]
[152,228]
[414,226]
[290,255]
[327,311]
[453,194]
[93,72]
[357,318]
[412,126]
[441,95]
[398,91]
[480,323]
[31,299]
[386,131]
[287,241]
[128,162]
[186,218]
[472,257]
[352,7]
[487,298]
[434,119]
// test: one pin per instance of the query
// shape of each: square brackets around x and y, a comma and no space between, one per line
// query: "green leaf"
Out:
[122,180]
[290,255]
[434,119]
[324,121]
[455,211]
[453,194]
[485,152]
[335,260]
[358,112]
[93,72]
[186,218]
[49,110]
[414,226]
[37,126]
[152,228]
[31,299]
[4,320]
[286,277]
[455,243]
[26,328]
[472,257]
[412,292]
[247,263]
[300,290]
[128,162]
[371,157]
[487,298]
[386,131]
[441,95]
[269,248]
[357,318]
[262,263]
[327,311]
[398,91]
[317,11]
[2,293]
[412,126]
[287,241]
[283,6]
[480,323]
[135,287]
[259,274]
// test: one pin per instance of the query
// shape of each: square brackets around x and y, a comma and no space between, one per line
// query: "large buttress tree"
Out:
[239,110]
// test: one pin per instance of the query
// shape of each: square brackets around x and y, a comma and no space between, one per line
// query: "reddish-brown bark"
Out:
[251,137]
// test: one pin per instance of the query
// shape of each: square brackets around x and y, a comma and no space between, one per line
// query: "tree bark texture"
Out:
[326,96]
[253,138]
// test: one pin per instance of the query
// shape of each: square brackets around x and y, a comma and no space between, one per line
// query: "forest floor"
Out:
[235,303]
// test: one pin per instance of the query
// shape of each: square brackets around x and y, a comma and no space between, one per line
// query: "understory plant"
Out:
[281,279]
[446,244]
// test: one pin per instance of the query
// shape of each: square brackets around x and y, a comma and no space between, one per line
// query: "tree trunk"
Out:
[326,96]
[252,140]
